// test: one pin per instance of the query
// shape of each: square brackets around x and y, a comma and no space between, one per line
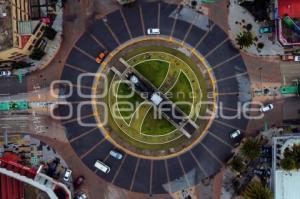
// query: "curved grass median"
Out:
[182,93]
[153,70]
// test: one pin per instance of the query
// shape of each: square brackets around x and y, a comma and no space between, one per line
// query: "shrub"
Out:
[245,39]
[237,164]
[260,45]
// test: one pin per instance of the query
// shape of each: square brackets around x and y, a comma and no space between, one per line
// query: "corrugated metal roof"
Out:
[287,184]
[289,7]
[27,27]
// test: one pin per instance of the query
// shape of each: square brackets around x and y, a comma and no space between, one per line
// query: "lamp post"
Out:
[260,77]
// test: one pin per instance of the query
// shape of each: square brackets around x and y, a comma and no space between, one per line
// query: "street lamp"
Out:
[260,77]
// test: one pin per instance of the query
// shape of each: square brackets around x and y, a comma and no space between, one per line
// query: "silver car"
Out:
[153,31]
[266,108]
[116,154]
[5,73]
[67,175]
[235,134]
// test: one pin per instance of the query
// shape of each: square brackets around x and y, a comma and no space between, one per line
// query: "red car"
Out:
[79,181]
[101,56]
[287,57]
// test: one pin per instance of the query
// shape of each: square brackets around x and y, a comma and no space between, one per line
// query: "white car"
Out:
[116,154]
[102,167]
[235,134]
[297,58]
[153,31]
[80,195]
[5,73]
[266,108]
[67,175]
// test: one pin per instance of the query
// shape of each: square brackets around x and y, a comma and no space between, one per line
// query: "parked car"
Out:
[153,31]
[5,73]
[266,29]
[101,56]
[235,134]
[287,57]
[67,175]
[265,160]
[267,172]
[258,172]
[297,58]
[79,181]
[80,195]
[262,172]
[266,108]
[266,151]
[116,154]
[102,167]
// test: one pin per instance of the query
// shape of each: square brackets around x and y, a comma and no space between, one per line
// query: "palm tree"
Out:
[255,190]
[237,164]
[288,164]
[245,39]
[251,148]
[291,158]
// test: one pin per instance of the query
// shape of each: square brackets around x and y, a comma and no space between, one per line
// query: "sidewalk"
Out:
[238,18]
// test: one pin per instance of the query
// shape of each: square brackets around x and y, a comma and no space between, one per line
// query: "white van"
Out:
[102,167]
[153,31]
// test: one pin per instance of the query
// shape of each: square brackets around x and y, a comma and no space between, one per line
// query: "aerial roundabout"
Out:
[192,67]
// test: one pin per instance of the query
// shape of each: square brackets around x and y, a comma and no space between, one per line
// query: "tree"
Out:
[260,45]
[249,26]
[237,164]
[288,164]
[291,158]
[255,190]
[245,39]
[251,148]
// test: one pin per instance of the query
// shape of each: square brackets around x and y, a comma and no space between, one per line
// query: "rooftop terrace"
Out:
[6,37]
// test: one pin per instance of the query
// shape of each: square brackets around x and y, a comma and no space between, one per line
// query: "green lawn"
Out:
[154,70]
[134,100]
[182,92]
[156,126]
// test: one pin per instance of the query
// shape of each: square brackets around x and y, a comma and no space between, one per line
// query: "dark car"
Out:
[262,172]
[79,181]
[258,172]
[265,160]
[266,151]
[267,172]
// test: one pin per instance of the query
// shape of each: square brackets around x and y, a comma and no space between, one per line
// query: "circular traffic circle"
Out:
[198,53]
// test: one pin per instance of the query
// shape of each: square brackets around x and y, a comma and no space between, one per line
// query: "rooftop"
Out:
[289,7]
[156,99]
[286,183]
[6,36]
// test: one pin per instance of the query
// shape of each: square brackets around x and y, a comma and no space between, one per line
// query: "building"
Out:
[287,15]
[285,184]
[14,175]
[22,21]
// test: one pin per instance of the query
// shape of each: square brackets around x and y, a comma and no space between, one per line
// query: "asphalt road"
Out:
[11,85]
